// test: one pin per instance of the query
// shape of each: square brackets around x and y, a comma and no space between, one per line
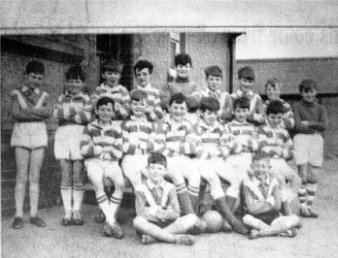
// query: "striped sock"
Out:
[184,200]
[115,202]
[302,194]
[193,193]
[311,193]
[66,194]
[105,207]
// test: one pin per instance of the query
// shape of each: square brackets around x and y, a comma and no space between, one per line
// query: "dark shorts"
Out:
[267,217]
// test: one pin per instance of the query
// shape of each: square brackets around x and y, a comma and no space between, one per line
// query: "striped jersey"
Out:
[73,109]
[288,121]
[140,137]
[242,134]
[154,101]
[102,142]
[180,138]
[256,115]
[119,94]
[275,141]
[30,105]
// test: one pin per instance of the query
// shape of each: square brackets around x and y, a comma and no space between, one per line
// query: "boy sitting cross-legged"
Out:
[276,142]
[211,161]
[263,202]
[102,146]
[139,139]
[158,210]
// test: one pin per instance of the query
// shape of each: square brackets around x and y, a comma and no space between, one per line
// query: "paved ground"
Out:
[318,237]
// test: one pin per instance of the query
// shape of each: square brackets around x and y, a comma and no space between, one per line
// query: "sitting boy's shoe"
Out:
[289,233]
[17,223]
[226,226]
[304,212]
[77,219]
[312,213]
[185,240]
[37,221]
[146,239]
[199,227]
[254,234]
[114,230]
[100,217]
[66,222]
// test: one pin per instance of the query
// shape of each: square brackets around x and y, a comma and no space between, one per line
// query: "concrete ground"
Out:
[317,238]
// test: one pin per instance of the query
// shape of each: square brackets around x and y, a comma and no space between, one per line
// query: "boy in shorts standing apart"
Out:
[158,210]
[73,112]
[30,106]
[311,121]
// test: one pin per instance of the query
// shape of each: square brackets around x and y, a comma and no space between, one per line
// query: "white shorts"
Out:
[309,148]
[67,142]
[241,163]
[134,166]
[29,135]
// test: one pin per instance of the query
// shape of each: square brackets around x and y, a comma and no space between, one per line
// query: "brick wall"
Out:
[58,56]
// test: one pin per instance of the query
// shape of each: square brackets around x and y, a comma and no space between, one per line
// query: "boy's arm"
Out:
[299,126]
[82,115]
[155,143]
[190,145]
[257,114]
[129,144]
[117,148]
[322,124]
[166,93]
[87,148]
[147,213]
[226,108]
[172,211]
[155,113]
[124,111]
[288,118]
[254,205]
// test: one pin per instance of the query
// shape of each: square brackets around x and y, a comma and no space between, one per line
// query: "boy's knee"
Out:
[138,222]
[247,218]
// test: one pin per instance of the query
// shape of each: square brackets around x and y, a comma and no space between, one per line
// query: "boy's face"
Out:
[138,107]
[245,84]
[111,77]
[209,117]
[241,114]
[261,169]
[183,71]
[156,172]
[310,95]
[275,119]
[105,113]
[143,77]
[75,86]
[214,82]
[178,111]
[272,92]
[34,80]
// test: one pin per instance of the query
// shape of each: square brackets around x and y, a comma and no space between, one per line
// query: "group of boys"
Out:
[183,134]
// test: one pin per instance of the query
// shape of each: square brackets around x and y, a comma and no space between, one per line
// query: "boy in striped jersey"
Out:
[262,202]
[276,142]
[143,70]
[158,210]
[102,146]
[246,78]
[212,165]
[214,78]
[111,71]
[139,139]
[273,91]
[181,143]
[30,107]
[73,112]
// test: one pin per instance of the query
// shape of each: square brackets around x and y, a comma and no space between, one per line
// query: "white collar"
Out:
[152,186]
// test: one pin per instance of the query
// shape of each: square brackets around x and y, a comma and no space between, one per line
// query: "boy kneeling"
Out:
[158,210]
[263,202]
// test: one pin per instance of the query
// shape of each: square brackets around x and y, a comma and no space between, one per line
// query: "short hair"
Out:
[213,70]
[242,102]
[209,103]
[275,107]
[182,59]
[35,67]
[75,72]
[246,73]
[157,158]
[178,98]
[260,155]
[138,95]
[111,65]
[103,101]
[273,82]
[307,85]
[142,64]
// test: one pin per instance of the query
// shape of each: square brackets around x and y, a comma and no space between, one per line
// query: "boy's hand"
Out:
[305,123]
[271,200]
[97,150]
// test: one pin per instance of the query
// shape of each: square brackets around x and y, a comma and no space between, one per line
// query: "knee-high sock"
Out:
[302,193]
[311,189]
[115,202]
[236,224]
[193,193]
[78,192]
[184,199]
[105,207]
[34,199]
[148,228]
[66,194]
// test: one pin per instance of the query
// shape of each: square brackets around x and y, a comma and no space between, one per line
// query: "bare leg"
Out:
[66,188]
[36,160]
